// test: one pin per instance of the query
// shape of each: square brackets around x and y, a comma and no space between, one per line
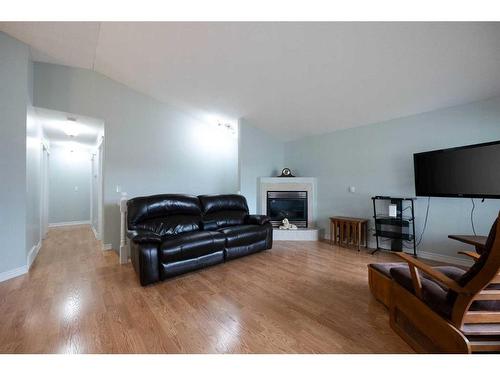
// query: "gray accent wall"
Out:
[150,147]
[378,160]
[260,155]
[14,100]
[69,185]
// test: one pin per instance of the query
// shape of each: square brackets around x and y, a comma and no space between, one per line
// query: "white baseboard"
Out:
[96,235]
[107,246]
[69,223]
[6,275]
[33,254]
[431,256]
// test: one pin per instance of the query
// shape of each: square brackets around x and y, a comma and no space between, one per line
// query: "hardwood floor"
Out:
[299,297]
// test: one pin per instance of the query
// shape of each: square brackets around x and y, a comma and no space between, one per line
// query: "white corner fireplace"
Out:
[293,198]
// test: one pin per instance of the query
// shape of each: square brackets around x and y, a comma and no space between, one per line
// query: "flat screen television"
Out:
[470,171]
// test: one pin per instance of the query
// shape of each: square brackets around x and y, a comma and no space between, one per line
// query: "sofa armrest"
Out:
[143,236]
[257,219]
[144,257]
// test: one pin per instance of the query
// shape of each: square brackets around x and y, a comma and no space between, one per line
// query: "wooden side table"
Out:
[345,231]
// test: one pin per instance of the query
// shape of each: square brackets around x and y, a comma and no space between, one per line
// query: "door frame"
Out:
[44,191]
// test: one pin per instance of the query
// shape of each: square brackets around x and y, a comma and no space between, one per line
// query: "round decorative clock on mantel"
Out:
[286,172]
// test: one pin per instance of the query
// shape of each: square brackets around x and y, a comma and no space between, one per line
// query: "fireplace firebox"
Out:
[287,204]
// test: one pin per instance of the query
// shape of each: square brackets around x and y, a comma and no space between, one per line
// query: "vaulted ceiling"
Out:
[292,79]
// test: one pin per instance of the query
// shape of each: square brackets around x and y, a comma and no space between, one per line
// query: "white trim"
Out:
[33,254]
[100,191]
[69,223]
[124,246]
[95,232]
[107,247]
[301,234]
[100,141]
[13,273]
[430,256]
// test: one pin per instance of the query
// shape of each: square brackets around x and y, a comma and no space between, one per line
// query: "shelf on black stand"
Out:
[396,228]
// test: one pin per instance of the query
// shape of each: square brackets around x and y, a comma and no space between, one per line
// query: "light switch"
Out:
[352,189]
[118,189]
[76,188]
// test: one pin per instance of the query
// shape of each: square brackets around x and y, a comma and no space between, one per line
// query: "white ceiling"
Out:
[293,79]
[54,122]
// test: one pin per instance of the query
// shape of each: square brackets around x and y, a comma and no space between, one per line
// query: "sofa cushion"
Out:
[223,210]
[223,202]
[171,225]
[222,219]
[165,214]
[244,234]
[190,245]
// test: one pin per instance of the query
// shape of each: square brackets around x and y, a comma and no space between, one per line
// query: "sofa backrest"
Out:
[223,210]
[165,214]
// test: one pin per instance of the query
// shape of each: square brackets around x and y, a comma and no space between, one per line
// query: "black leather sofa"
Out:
[171,234]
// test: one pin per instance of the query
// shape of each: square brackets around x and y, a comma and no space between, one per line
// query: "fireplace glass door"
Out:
[287,204]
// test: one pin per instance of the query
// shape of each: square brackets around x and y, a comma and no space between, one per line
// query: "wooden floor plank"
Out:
[299,297]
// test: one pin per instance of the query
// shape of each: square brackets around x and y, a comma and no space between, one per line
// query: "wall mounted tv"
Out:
[470,171]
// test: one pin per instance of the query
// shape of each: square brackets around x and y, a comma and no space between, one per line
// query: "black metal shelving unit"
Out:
[399,228]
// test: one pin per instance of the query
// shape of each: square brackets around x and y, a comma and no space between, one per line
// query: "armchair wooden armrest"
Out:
[415,264]
[470,254]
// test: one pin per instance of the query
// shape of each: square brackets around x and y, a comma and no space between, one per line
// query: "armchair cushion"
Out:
[385,268]
[437,296]
[143,236]
[257,219]
[433,294]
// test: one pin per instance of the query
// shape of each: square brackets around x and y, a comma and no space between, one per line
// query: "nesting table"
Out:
[345,231]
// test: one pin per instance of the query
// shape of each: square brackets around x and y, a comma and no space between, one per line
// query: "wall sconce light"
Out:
[226,126]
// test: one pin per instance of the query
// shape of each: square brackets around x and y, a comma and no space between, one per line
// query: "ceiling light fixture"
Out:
[71,128]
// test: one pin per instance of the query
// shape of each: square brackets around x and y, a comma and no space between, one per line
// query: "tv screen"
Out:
[469,171]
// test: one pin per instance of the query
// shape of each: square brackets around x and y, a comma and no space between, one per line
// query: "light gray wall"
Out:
[150,147]
[69,185]
[14,100]
[260,155]
[378,160]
